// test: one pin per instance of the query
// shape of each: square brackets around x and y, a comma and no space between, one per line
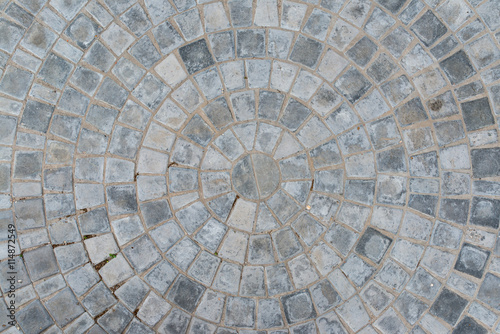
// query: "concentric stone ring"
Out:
[249,166]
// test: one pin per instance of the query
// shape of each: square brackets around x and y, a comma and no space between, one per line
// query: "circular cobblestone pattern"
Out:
[250,166]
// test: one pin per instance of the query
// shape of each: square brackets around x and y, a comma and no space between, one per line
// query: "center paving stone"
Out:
[256,176]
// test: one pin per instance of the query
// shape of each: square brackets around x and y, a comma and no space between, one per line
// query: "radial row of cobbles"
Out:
[250,166]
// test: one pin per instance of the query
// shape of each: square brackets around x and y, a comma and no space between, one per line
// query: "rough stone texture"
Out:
[270,166]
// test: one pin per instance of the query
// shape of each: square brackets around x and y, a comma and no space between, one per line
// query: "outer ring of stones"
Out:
[363,253]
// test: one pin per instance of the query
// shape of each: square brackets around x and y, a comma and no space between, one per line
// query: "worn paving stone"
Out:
[326,149]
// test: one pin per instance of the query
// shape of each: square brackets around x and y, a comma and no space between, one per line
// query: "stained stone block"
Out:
[41,262]
[86,79]
[294,114]
[357,270]
[477,114]
[100,57]
[483,162]
[298,306]
[121,199]
[424,203]
[240,312]
[125,142]
[444,47]
[448,306]
[83,31]
[251,43]
[373,245]
[489,291]
[454,210]
[353,85]
[240,12]
[142,254]
[12,33]
[186,293]
[445,235]
[457,67]
[306,51]
[34,318]
[176,322]
[145,52]
[116,319]
[110,92]
[136,20]
[472,260]
[190,24]
[381,68]
[362,52]
[426,35]
[424,284]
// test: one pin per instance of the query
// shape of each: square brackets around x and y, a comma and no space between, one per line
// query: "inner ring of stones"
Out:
[255,176]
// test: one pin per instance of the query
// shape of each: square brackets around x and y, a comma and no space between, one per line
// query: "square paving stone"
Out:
[196,56]
[361,191]
[241,13]
[37,116]
[151,91]
[472,260]
[484,162]
[392,275]
[318,24]
[373,245]
[64,307]
[116,319]
[411,112]
[145,52]
[424,203]
[128,73]
[190,24]
[416,60]
[240,312]
[445,235]
[457,67]
[176,322]
[20,15]
[29,214]
[34,318]
[204,268]
[353,85]
[392,161]
[100,57]
[306,51]
[269,314]
[391,190]
[12,33]
[55,71]
[153,309]
[298,306]
[210,83]
[444,47]
[424,33]
[477,114]
[198,130]
[121,199]
[382,68]
[38,39]
[252,281]
[454,210]
[125,142]
[86,79]
[83,31]
[222,45]
[98,300]
[485,212]
[41,262]
[448,306]
[397,41]
[468,325]
[324,295]
[70,256]
[354,313]
[136,20]
[160,277]
[489,292]
[424,284]
[341,238]
[251,43]
[132,292]
[82,279]
[362,52]
[483,52]
[16,82]
[357,270]
[142,254]
[112,93]
[376,297]
[167,37]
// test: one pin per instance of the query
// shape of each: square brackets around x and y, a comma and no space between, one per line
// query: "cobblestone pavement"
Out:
[246,166]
